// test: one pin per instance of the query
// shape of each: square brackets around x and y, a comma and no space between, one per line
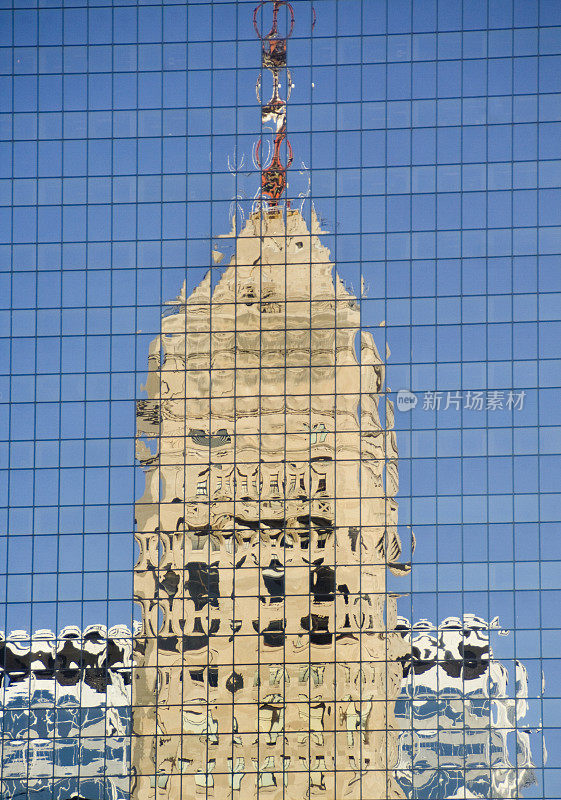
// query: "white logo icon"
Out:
[406,400]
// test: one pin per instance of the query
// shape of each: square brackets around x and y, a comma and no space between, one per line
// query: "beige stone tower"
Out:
[266,666]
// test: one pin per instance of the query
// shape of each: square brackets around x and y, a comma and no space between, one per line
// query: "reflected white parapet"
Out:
[66,711]
[66,714]
[461,726]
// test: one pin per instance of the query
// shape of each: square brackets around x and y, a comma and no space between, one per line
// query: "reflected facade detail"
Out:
[463,730]
[267,661]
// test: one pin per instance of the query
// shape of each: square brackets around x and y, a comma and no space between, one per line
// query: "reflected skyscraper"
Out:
[266,662]
[265,532]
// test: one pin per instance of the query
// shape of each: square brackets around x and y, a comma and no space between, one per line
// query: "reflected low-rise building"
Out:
[462,730]
[67,711]
[66,714]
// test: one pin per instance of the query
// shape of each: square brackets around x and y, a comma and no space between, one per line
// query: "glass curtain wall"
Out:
[279,397]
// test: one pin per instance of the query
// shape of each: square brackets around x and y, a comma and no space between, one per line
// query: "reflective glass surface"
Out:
[279,393]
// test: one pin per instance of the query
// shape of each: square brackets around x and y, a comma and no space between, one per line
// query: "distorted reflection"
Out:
[265,531]
[66,714]
[463,731]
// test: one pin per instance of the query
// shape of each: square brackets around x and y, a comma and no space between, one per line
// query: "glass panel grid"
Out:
[332,570]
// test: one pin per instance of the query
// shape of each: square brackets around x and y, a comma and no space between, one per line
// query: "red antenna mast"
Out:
[273,58]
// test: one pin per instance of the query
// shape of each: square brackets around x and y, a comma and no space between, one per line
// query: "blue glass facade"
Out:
[425,136]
